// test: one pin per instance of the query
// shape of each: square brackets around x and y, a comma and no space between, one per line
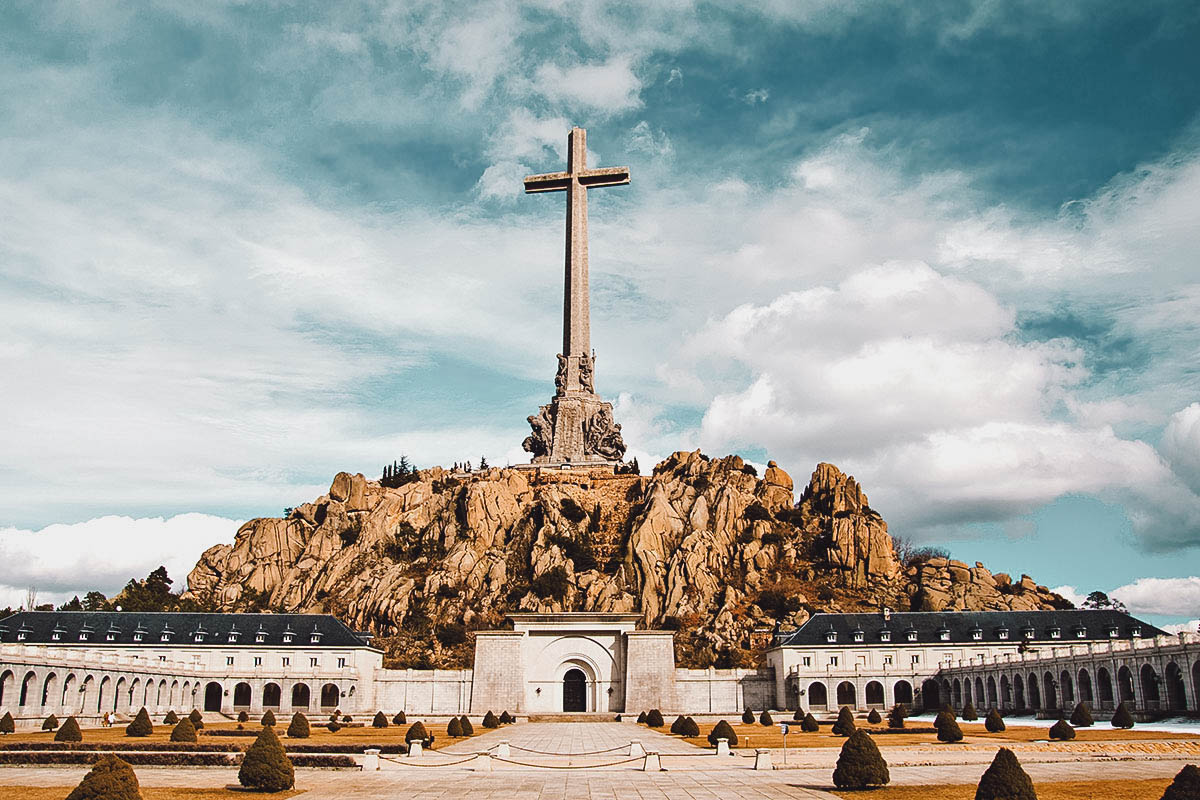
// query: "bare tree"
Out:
[31,598]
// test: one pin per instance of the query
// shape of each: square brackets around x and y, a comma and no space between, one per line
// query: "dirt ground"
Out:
[1069,790]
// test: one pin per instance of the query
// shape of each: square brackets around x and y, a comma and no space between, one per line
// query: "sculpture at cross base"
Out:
[577,426]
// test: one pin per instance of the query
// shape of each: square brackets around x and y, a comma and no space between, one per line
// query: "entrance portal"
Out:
[574,691]
[212,696]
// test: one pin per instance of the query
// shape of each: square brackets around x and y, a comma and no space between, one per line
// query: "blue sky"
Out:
[950,247]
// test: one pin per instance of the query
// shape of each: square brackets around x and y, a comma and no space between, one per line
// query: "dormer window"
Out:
[166,635]
[1027,632]
[1080,632]
[137,636]
[911,634]
[1113,631]
[233,636]
[885,636]
[858,636]
[831,636]
[110,637]
[944,634]
[83,636]
[1135,631]
[977,634]
[1056,633]
[1001,633]
[56,635]
[199,636]
[260,637]
[287,638]
[20,636]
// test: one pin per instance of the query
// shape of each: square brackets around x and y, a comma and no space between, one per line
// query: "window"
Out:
[316,637]
[229,661]
[110,636]
[831,636]
[858,636]
[260,637]
[341,663]
[916,659]
[887,660]
[55,636]
[21,636]
[233,636]
[162,658]
[258,661]
[287,638]
[199,637]
[1136,631]
[976,634]
[1113,632]
[166,637]
[137,637]
[1002,633]
[287,662]
[312,662]
[912,636]
[885,636]
[944,635]
[1056,633]
[1081,632]
[807,661]
[833,661]
[83,636]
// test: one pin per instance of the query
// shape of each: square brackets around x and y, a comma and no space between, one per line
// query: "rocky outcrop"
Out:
[945,584]
[702,545]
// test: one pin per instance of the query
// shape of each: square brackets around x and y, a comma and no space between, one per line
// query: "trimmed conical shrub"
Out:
[642,718]
[454,728]
[298,727]
[416,733]
[490,720]
[1005,779]
[243,716]
[184,731]
[1186,785]
[677,726]
[874,717]
[1081,717]
[1062,731]
[268,719]
[467,728]
[723,730]
[506,718]
[860,764]
[399,719]
[845,722]
[50,723]
[947,728]
[969,713]
[69,732]
[690,728]
[1122,718]
[380,720]
[7,725]
[994,722]
[809,724]
[197,719]
[171,718]
[765,718]
[141,725]
[654,718]
[896,716]
[798,716]
[110,778]
[747,717]
[266,766]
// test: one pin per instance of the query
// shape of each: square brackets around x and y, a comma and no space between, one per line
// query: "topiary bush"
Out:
[809,724]
[266,766]
[69,732]
[969,713]
[110,778]
[454,729]
[298,727]
[677,726]
[7,725]
[1005,779]
[845,722]
[1081,717]
[141,725]
[896,716]
[690,728]
[1186,785]
[184,731]
[654,718]
[1122,718]
[860,764]
[1061,731]
[399,719]
[994,723]
[467,728]
[765,718]
[490,720]
[416,733]
[171,718]
[197,719]
[50,723]
[723,730]
[333,726]
[947,728]
[798,715]
[268,719]
[380,720]
[506,718]
[642,718]
[243,717]
[874,717]
[747,717]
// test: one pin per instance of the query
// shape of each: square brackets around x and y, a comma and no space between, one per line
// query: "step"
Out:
[573,717]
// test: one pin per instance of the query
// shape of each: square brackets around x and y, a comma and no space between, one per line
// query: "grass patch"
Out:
[148,793]
[1151,789]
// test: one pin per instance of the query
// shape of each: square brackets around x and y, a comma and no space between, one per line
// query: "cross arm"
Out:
[605,176]
[550,182]
[559,181]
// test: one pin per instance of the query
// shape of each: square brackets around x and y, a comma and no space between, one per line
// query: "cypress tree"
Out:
[141,725]
[50,723]
[268,719]
[399,719]
[298,728]
[947,728]
[654,719]
[765,718]
[747,716]
[874,717]
[845,722]
[809,724]
[1122,718]
[69,732]
[171,718]
[197,719]
[1081,717]
[416,733]
[1005,779]
[184,731]
[969,713]
[6,723]
[994,722]
[380,720]
[266,766]
[490,720]
[1186,785]
[1061,731]
[896,716]
[467,728]
[110,778]
[860,764]
[723,730]
[454,729]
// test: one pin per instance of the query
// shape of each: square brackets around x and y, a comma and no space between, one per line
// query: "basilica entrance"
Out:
[574,691]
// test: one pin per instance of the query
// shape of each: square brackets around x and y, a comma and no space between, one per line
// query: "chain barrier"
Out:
[412,762]
[586,753]
[570,766]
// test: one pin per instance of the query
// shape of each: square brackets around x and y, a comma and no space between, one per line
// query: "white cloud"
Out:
[1191,626]
[755,96]
[103,554]
[602,89]
[1171,597]
[1181,444]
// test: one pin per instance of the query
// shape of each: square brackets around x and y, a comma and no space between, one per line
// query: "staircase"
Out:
[574,717]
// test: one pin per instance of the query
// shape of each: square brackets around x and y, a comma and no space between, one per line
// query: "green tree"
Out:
[896,716]
[197,719]
[809,724]
[171,718]
[141,725]
[969,713]
[266,766]
[380,720]
[184,731]
[69,732]
[95,601]
[994,723]
[947,728]
[1081,717]
[416,733]
[1099,600]
[399,719]
[110,778]
[467,728]
[298,728]
[874,717]
[454,729]
[747,717]
[50,723]
[765,718]
[268,718]
[1004,779]
[7,725]
[1061,731]
[1122,718]
[722,730]
[490,720]
[860,764]
[845,722]
[654,719]
[1186,785]
[72,605]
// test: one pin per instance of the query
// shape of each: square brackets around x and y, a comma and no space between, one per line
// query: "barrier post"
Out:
[636,749]
[502,749]
[651,763]
[722,747]
[414,749]
[371,759]
[762,759]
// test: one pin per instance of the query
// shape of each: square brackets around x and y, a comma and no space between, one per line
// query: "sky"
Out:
[950,247]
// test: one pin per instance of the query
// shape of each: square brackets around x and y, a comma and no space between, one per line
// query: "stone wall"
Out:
[650,670]
[723,691]
[501,670]
[423,691]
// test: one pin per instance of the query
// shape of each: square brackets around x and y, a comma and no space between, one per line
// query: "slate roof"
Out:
[144,628]
[940,627]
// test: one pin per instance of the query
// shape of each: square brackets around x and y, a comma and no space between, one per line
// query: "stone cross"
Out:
[575,182]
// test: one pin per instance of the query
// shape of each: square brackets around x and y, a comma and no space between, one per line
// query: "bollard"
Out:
[502,749]
[762,759]
[636,749]
[371,759]
[414,749]
[482,762]
[651,763]
[722,747]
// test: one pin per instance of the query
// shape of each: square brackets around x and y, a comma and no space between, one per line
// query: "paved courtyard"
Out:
[583,760]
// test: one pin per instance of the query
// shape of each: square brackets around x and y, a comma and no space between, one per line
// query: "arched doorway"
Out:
[70,689]
[300,695]
[1019,693]
[1176,690]
[1085,687]
[26,688]
[1125,685]
[271,695]
[105,688]
[1035,695]
[931,699]
[241,695]
[992,700]
[874,694]
[1050,696]
[212,696]
[818,695]
[956,693]
[574,689]
[903,692]
[1068,687]
[7,682]
[846,695]
[330,695]
[1104,687]
[1150,696]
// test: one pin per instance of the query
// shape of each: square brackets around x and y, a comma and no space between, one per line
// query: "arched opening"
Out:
[1104,687]
[102,695]
[26,689]
[1150,698]
[992,700]
[7,682]
[1035,695]
[1006,697]
[1125,685]
[271,695]
[119,693]
[818,696]
[903,692]
[133,692]
[212,696]
[1176,690]
[70,689]
[846,695]
[574,690]
[874,693]
[980,698]
[967,693]
[300,695]
[187,695]
[1085,687]
[176,698]
[49,689]
[1018,693]
[89,683]
[1196,684]
[1068,687]
[1049,696]
[330,695]
[947,692]
[241,695]
[163,694]
[956,693]
[931,699]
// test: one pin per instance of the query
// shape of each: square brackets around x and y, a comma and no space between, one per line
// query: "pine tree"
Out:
[969,713]
[690,728]
[747,717]
[490,720]
[896,716]
[298,728]
[765,718]
[110,778]
[1005,779]
[454,729]
[266,766]
[723,730]
[994,722]
[874,717]
[7,725]
[860,764]
[380,720]
[50,723]
[268,718]
[69,732]
[1122,718]
[1061,731]
[184,731]
[947,728]
[1081,717]
[141,725]
[809,724]
[845,722]
[798,715]
[1186,785]
[655,720]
